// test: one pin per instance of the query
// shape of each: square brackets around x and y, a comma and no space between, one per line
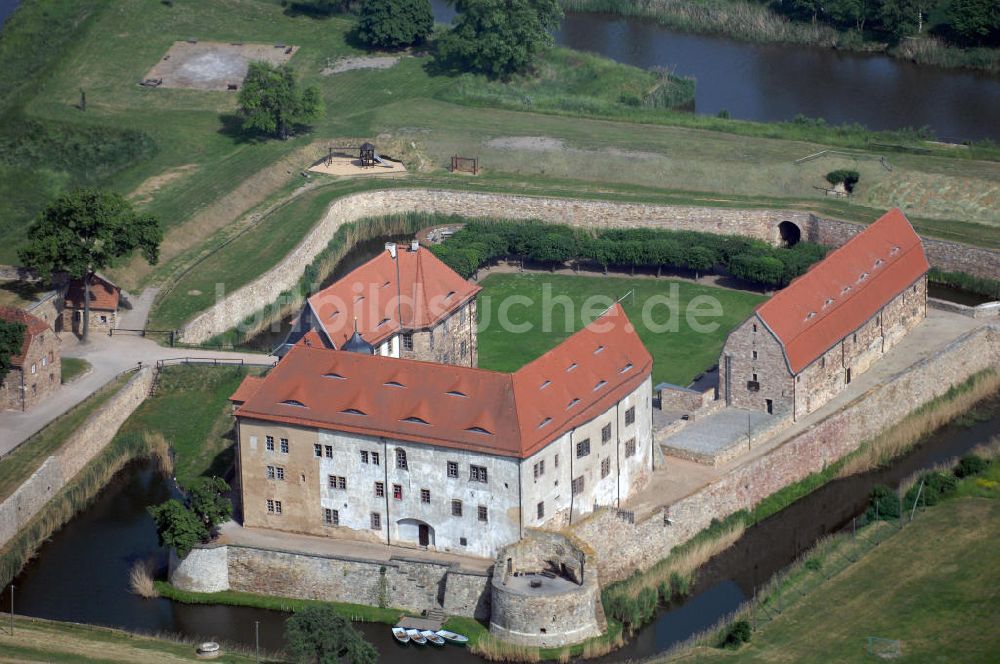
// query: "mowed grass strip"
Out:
[933,587]
[559,305]
[191,411]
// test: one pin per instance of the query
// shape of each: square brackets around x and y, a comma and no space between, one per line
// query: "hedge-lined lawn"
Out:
[678,355]
[932,586]
[191,411]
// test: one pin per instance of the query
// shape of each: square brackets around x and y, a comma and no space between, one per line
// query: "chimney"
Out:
[414,244]
[391,248]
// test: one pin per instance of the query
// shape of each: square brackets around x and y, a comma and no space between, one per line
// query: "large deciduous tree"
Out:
[395,23]
[208,502]
[498,37]
[271,102]
[11,340]
[320,635]
[87,230]
[978,21]
[177,526]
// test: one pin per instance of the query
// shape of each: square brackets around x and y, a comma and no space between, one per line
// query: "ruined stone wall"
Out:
[761,224]
[59,469]
[403,583]
[621,547]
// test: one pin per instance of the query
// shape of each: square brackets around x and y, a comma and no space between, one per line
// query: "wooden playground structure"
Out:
[352,160]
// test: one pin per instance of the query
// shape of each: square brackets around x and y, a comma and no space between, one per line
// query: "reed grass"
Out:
[899,438]
[140,579]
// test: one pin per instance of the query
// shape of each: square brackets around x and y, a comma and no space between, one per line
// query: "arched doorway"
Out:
[415,531]
[789,234]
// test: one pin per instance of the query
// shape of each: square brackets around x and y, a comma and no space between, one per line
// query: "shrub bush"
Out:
[887,503]
[481,242]
[936,485]
[395,23]
[739,633]
[970,465]
[680,583]
[849,178]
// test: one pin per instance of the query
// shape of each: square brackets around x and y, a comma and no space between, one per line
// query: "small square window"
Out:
[456,508]
[270,472]
[331,517]
[606,433]
[463,541]
[401,459]
[555,461]
[376,521]
[408,341]
[539,469]
[630,447]
[329,451]
[284,446]
[270,507]
[578,485]
[540,509]
[375,459]
[280,472]
[605,467]
[483,513]
[477,474]
[277,507]
[379,489]
[269,443]
[364,456]
[452,469]
[425,495]
[397,491]
[583,448]
[754,355]
[318,450]
[337,482]
[630,416]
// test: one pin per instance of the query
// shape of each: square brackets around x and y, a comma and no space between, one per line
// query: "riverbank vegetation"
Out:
[972,284]
[950,33]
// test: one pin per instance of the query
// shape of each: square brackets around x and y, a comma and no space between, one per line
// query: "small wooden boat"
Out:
[452,636]
[432,637]
[400,635]
[416,637]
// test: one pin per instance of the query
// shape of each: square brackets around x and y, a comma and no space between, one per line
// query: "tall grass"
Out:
[899,438]
[140,579]
[967,282]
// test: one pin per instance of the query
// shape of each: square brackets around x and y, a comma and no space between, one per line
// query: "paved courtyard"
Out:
[719,436]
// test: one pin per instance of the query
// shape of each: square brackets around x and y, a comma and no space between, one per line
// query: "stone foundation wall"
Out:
[403,583]
[86,443]
[621,547]
[986,310]
[761,224]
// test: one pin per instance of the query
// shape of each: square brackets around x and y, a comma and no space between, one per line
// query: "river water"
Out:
[773,82]
[81,573]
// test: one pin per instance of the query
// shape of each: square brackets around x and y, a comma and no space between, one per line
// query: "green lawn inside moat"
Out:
[680,352]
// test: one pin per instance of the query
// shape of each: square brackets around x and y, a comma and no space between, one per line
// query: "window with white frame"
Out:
[477,474]
[331,517]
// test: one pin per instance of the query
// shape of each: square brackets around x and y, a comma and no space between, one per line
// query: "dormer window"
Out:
[544,384]
[894,250]
[359,298]
[334,375]
[335,314]
[415,420]
[544,422]
[293,402]
[810,315]
[572,403]
[828,302]
[626,368]
[382,322]
[600,384]
[599,349]
[449,295]
[845,289]
[353,411]
[571,367]
[456,393]
[393,383]
[878,262]
[864,275]
[479,430]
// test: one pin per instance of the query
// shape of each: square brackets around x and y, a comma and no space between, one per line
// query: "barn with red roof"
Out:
[810,340]
[449,457]
[34,368]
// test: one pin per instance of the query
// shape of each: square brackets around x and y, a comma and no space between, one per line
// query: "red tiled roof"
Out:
[246,389]
[103,294]
[454,406]
[428,291]
[844,290]
[33,324]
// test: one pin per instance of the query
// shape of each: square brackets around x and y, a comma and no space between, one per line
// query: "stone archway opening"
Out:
[789,234]
[415,531]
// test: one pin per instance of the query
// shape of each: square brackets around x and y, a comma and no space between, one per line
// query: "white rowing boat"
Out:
[400,635]
[432,637]
[416,637]
[452,636]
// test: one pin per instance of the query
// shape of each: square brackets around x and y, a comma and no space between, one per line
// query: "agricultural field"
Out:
[679,353]
[932,587]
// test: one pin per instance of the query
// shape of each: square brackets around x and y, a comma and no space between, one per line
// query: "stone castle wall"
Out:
[402,583]
[621,547]
[85,443]
[762,224]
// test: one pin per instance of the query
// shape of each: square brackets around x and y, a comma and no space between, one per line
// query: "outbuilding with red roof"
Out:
[104,300]
[35,370]
[810,340]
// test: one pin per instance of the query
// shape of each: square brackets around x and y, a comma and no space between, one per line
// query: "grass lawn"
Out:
[932,586]
[73,368]
[678,354]
[29,455]
[37,640]
[191,411]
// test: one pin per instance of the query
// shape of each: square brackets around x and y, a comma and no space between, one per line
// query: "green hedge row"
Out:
[481,242]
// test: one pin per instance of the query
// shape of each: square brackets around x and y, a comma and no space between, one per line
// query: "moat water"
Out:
[81,573]
[775,82]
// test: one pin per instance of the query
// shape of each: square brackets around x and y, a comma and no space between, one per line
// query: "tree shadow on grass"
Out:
[231,126]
